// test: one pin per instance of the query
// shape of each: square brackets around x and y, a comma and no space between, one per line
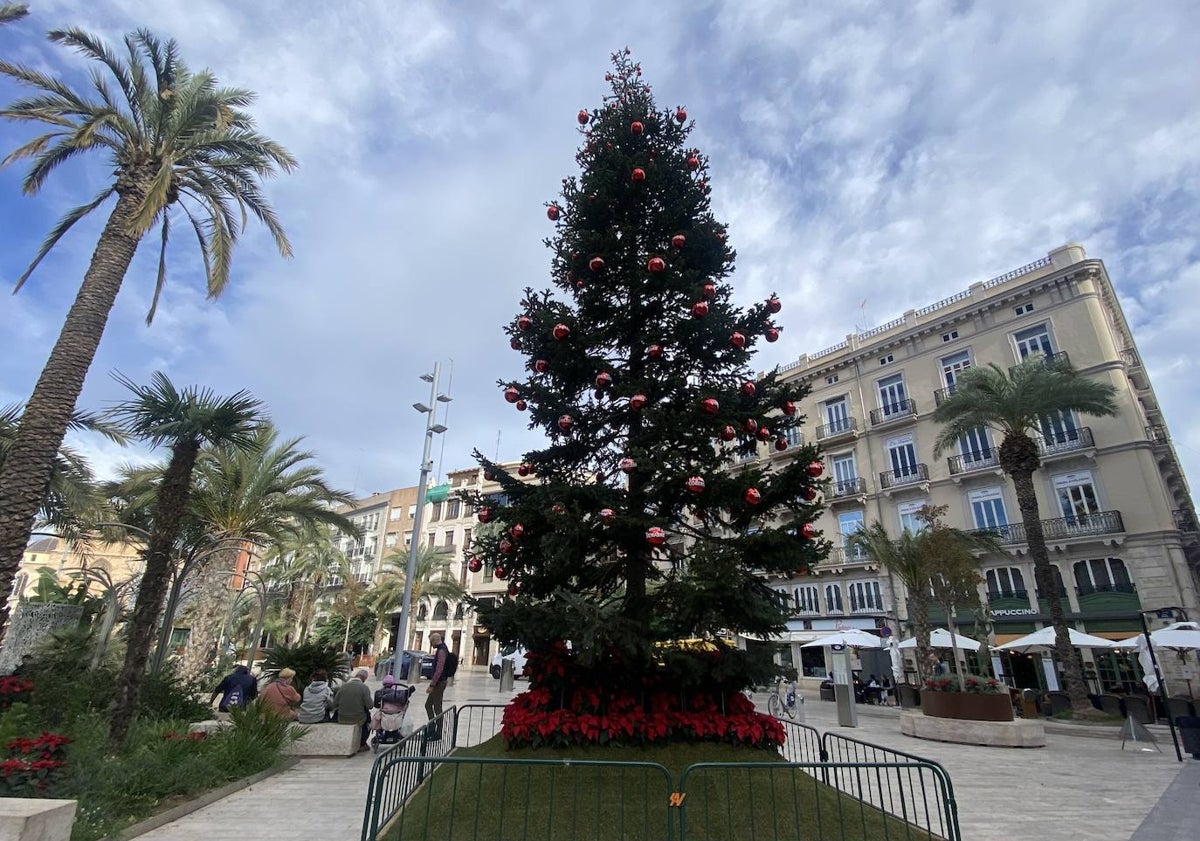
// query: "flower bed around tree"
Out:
[984,699]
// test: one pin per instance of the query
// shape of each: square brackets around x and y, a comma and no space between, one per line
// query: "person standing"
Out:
[353,703]
[445,664]
[318,698]
[236,689]
[280,697]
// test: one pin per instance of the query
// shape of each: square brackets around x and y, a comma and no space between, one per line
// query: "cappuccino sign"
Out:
[1016,611]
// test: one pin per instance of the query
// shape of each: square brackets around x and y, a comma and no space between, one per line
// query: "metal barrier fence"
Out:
[391,785]
[802,743]
[474,724]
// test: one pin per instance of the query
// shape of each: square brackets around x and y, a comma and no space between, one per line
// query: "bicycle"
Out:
[790,702]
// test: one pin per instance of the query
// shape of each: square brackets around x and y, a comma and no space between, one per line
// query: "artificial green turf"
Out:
[524,802]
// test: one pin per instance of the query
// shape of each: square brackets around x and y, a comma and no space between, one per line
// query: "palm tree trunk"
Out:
[208,615]
[918,609]
[1047,584]
[28,465]
[170,507]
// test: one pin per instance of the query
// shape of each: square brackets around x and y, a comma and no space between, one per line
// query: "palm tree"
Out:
[185,419]
[431,579]
[174,139]
[259,494]
[1017,405]
[304,564]
[10,12]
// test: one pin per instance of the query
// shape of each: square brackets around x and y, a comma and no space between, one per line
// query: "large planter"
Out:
[967,706]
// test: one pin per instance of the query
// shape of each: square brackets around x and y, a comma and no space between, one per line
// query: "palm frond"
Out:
[162,266]
[10,12]
[59,230]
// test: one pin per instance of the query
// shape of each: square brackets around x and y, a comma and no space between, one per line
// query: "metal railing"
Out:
[899,410]
[976,460]
[1081,525]
[474,724]
[1065,441]
[940,394]
[899,478]
[845,426]
[1157,433]
[995,595]
[394,778]
[842,555]
[1057,361]
[1015,273]
[847,487]
[1115,587]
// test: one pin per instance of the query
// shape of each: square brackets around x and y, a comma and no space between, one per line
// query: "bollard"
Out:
[506,675]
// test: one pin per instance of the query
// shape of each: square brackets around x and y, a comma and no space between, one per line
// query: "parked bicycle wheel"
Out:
[775,706]
[791,711]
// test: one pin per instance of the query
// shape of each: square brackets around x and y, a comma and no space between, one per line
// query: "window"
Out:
[431,539]
[850,522]
[1058,428]
[441,612]
[831,379]
[460,610]
[1076,495]
[837,414]
[1102,575]
[949,337]
[987,506]
[792,436]
[412,511]
[865,596]
[833,598]
[902,455]
[435,512]
[391,539]
[394,514]
[805,600]
[907,511]
[1005,583]
[1034,342]
[407,539]
[976,446]
[954,365]
[1023,308]
[466,539]
[886,360]
[845,475]
[453,509]
[892,395]
[422,613]
[449,539]
[487,572]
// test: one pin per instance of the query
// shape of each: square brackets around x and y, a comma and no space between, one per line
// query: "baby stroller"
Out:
[387,721]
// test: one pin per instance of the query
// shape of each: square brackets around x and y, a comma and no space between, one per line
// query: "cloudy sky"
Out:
[869,158]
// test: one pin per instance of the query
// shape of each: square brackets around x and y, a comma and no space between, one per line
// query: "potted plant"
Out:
[980,699]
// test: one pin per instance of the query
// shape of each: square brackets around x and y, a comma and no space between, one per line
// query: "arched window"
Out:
[422,613]
[441,611]
[833,598]
[1005,583]
[460,610]
[1102,575]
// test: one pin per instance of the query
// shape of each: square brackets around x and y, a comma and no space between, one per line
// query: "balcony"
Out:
[1116,587]
[1054,361]
[901,478]
[842,428]
[978,460]
[1117,597]
[898,411]
[840,555]
[846,488]
[1066,441]
[1157,433]
[1062,528]
[940,395]
[1185,520]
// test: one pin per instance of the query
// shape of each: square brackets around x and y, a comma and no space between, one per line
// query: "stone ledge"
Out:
[1021,733]
[320,740]
[36,819]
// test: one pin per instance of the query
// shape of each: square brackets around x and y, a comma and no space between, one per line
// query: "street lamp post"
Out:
[432,427]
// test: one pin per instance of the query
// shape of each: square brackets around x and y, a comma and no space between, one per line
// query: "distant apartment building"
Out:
[120,561]
[1118,516]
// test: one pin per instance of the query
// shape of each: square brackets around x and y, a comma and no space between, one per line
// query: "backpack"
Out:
[451,665]
[234,698]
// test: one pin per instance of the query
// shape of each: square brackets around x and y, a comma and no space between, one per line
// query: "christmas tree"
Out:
[646,533]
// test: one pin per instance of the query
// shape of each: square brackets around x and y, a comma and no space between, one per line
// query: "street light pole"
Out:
[431,428]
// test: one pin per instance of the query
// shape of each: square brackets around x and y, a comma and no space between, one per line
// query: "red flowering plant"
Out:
[973,684]
[33,766]
[14,690]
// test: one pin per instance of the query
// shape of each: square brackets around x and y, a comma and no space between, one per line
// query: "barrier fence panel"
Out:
[476,798]
[391,782]
[738,801]
[903,791]
[474,724]
[803,743]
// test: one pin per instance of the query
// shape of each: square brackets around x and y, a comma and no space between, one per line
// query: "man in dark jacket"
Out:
[353,703]
[236,690]
[437,683]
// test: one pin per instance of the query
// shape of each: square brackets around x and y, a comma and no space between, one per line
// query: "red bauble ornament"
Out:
[582,116]
[607,515]
[517,531]
[636,127]
[514,589]
[484,515]
[750,425]
[764,433]
[654,351]
[772,335]
[627,465]
[700,309]
[638,174]
[681,115]
[752,496]
[596,264]
[541,366]
[637,401]
[500,572]
[656,536]
[521,405]
[808,494]
[693,162]
[774,304]
[506,547]
[511,394]
[524,323]
[565,422]
[561,331]
[523,470]
[474,564]
[727,433]
[789,408]
[515,344]
[709,290]
[808,531]
[603,379]
[528,468]
[710,405]
[749,389]
[656,264]
[815,468]
[781,444]
[553,212]
[489,476]
[696,485]
[678,241]
[737,340]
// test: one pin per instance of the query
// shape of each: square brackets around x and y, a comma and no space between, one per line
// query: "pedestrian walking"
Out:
[445,664]
[317,701]
[280,697]
[236,689]
[353,703]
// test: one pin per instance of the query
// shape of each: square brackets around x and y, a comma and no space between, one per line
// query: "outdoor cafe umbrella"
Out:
[853,638]
[940,638]
[1043,640]
[1180,637]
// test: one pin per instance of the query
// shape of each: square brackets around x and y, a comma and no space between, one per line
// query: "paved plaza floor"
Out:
[1075,787]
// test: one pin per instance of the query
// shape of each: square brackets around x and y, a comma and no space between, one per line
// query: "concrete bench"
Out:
[33,819]
[320,740]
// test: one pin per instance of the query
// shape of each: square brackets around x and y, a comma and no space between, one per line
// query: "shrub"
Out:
[14,690]
[306,659]
[34,766]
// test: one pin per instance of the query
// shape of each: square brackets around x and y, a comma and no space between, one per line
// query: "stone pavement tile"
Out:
[1174,817]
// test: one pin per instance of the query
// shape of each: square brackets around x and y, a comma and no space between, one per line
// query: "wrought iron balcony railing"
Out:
[899,410]
[842,426]
[1054,361]
[940,395]
[1157,433]
[848,555]
[995,595]
[977,460]
[1115,587]
[1066,440]
[1081,525]
[847,487]
[909,476]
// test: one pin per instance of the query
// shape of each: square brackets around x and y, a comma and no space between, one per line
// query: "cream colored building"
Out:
[121,562]
[1118,517]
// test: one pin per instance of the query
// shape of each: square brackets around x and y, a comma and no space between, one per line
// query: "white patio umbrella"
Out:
[940,638]
[1043,640]
[1181,637]
[853,638]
